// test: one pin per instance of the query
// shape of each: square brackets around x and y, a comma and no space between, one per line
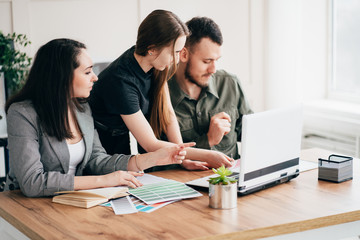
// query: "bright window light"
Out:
[345,79]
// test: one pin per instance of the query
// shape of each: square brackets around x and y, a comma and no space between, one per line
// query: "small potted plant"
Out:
[222,189]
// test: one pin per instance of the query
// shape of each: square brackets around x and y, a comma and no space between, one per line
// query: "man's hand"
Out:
[195,165]
[219,126]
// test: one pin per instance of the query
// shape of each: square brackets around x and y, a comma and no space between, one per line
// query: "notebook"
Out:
[270,150]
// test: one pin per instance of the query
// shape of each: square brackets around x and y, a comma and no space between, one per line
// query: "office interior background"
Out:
[283,51]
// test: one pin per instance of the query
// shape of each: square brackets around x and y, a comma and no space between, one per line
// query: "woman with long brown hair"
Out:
[132,93]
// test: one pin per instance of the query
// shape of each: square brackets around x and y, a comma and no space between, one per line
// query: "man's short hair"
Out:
[203,27]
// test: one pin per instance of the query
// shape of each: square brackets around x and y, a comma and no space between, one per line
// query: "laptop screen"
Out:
[270,145]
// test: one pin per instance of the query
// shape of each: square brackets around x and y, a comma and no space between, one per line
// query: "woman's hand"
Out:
[171,155]
[195,165]
[216,159]
[122,178]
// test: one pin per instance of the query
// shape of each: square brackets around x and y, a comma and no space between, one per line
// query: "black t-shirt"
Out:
[123,88]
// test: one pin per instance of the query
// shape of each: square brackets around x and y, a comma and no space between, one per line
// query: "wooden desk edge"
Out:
[18,225]
[289,227]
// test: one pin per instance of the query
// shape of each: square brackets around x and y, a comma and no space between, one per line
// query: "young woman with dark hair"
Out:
[132,93]
[52,143]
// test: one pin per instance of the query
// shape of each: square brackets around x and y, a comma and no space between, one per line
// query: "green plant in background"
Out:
[15,64]
[223,178]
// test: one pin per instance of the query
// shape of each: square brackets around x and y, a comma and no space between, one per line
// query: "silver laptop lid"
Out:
[270,145]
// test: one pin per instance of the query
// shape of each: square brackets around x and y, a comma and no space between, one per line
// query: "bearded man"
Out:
[208,103]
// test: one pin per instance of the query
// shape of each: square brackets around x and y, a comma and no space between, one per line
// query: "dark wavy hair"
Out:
[49,86]
[203,27]
[159,29]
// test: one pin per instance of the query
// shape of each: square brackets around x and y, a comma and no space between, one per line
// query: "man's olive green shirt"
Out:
[224,94]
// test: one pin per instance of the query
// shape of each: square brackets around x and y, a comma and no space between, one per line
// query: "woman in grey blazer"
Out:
[52,143]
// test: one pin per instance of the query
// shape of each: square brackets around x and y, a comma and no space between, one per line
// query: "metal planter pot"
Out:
[223,196]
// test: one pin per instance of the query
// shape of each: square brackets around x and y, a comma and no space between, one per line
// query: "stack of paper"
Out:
[123,206]
[336,172]
[156,192]
[130,204]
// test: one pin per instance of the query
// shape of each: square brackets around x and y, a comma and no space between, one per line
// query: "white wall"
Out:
[278,48]
[296,51]
[107,27]
[5,16]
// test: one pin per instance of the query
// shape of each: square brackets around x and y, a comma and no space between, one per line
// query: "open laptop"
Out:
[270,150]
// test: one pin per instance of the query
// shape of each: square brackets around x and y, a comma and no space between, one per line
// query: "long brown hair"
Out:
[159,29]
[49,86]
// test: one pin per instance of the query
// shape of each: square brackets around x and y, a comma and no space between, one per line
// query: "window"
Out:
[345,79]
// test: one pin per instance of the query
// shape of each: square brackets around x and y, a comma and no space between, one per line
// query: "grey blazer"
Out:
[39,163]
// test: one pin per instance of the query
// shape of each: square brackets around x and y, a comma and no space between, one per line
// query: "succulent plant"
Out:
[223,178]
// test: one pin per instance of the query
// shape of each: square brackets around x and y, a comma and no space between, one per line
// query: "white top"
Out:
[77,152]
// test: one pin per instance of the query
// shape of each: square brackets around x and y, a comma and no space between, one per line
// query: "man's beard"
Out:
[192,79]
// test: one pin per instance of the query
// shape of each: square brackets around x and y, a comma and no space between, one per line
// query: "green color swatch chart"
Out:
[164,191]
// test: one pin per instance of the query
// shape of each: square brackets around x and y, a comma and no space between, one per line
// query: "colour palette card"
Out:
[139,205]
[164,191]
[148,208]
